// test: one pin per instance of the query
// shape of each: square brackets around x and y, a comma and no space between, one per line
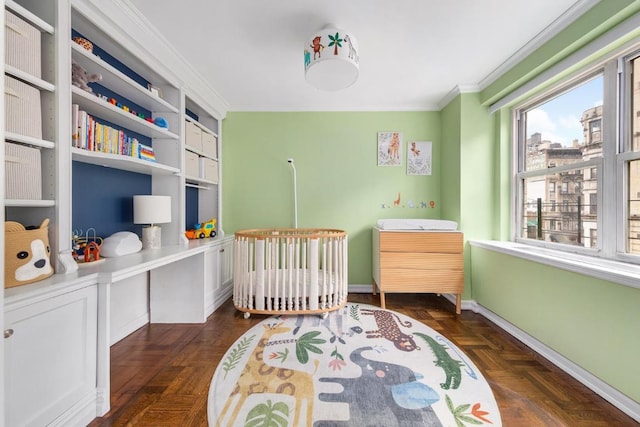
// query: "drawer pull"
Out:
[221,250]
[8,333]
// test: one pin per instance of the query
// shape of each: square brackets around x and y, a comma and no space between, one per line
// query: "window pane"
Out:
[635,107]
[568,215]
[633,240]
[566,129]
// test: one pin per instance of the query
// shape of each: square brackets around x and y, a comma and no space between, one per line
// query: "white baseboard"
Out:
[610,394]
[80,414]
[604,390]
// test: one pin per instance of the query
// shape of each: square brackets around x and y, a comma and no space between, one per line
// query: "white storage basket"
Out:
[23,174]
[22,45]
[23,114]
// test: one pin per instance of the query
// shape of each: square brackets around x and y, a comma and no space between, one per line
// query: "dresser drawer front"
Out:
[421,261]
[399,280]
[441,242]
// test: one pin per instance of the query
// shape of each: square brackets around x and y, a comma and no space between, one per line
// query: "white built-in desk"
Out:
[60,328]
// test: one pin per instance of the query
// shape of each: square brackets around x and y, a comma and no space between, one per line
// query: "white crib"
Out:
[290,270]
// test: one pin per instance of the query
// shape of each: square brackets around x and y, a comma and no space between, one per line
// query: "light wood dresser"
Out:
[418,261]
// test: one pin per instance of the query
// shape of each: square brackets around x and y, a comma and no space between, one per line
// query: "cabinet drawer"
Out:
[421,261]
[398,280]
[442,242]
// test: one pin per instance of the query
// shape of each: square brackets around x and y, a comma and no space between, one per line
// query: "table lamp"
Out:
[151,210]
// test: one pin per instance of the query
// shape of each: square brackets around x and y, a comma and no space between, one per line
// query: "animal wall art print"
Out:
[389,148]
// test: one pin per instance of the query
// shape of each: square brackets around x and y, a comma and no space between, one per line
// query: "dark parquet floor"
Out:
[160,374]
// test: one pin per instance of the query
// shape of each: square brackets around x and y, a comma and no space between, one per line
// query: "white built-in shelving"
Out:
[79,301]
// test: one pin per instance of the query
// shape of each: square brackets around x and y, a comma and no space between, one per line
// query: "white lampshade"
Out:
[331,59]
[151,209]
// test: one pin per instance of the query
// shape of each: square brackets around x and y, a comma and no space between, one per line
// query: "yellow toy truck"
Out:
[202,230]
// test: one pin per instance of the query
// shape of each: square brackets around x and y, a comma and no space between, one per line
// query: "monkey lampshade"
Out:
[331,59]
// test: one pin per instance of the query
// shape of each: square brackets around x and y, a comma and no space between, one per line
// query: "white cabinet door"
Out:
[211,277]
[226,263]
[50,360]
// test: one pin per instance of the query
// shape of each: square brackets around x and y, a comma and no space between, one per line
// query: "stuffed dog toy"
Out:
[80,77]
[26,254]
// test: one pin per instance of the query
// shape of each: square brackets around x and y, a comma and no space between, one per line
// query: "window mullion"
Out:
[610,200]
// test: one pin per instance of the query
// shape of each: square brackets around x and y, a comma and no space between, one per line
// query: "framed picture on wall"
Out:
[419,158]
[389,148]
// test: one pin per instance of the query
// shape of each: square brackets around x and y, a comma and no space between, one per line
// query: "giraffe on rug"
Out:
[258,377]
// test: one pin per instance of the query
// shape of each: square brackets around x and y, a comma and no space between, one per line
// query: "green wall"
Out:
[592,322]
[339,182]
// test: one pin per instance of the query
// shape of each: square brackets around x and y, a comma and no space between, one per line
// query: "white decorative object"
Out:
[120,243]
[331,59]
[151,210]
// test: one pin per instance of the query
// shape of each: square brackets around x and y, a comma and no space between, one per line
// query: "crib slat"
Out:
[259,274]
[313,274]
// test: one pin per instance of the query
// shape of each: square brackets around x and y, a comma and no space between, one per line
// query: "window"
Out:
[575,144]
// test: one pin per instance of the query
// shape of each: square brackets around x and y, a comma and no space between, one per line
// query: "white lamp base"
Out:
[152,237]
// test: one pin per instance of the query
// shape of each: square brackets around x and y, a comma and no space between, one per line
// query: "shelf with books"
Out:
[121,162]
[101,108]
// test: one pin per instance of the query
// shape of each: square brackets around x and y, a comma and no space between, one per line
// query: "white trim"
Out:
[604,390]
[457,90]
[339,108]
[562,22]
[630,27]
[361,289]
[613,271]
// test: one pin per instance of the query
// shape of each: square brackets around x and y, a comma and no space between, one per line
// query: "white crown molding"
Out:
[457,90]
[573,13]
[339,108]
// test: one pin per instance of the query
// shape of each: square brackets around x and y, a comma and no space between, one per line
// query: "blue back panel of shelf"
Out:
[103,198]
[191,207]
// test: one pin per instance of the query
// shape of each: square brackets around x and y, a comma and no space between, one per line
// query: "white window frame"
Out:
[615,130]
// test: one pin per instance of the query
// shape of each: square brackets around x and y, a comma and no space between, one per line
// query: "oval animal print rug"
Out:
[359,366]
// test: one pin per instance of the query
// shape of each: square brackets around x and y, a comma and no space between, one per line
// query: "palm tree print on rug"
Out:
[359,366]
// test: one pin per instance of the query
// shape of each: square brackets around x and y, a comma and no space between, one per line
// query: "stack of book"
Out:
[91,135]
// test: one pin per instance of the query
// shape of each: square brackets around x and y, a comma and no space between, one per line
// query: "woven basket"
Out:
[26,254]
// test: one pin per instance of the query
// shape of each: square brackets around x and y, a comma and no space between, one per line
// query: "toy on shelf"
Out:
[26,253]
[80,78]
[202,230]
[84,43]
[86,242]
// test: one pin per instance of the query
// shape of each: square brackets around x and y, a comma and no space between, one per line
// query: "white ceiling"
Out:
[413,53]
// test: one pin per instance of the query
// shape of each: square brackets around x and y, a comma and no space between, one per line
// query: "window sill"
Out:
[614,271]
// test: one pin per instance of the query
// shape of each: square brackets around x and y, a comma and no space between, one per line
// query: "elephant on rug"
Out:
[383,393]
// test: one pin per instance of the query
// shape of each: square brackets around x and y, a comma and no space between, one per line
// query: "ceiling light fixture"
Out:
[331,59]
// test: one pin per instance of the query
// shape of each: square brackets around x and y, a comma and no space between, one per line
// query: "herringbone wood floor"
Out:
[160,374]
